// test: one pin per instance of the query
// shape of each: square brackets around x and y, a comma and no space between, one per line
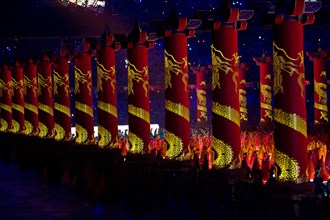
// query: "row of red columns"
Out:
[228,105]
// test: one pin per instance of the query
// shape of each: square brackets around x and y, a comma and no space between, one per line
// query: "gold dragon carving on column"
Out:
[137,75]
[174,66]
[222,63]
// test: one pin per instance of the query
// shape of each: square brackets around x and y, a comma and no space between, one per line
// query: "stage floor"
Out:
[26,195]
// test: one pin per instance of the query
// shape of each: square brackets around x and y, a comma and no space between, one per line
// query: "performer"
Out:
[123,143]
[210,154]
[159,145]
[206,151]
[322,152]
[251,153]
[268,160]
[194,144]
[244,149]
[154,139]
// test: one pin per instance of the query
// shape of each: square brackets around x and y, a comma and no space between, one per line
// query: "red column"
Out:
[138,92]
[18,99]
[225,95]
[266,88]
[45,98]
[62,112]
[290,134]
[31,99]
[201,90]
[83,95]
[177,105]
[107,94]
[320,86]
[6,92]
[225,82]
[242,92]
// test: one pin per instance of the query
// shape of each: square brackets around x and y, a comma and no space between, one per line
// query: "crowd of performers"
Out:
[257,152]
[200,147]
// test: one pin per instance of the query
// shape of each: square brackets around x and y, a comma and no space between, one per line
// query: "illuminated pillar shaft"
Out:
[225,96]
[319,59]
[242,92]
[107,97]
[289,99]
[177,106]
[202,117]
[62,112]
[18,99]
[31,99]
[84,98]
[320,92]
[6,99]
[266,92]
[138,99]
[45,99]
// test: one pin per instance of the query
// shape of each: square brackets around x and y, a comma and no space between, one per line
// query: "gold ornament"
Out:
[290,120]
[176,67]
[61,108]
[59,132]
[227,112]
[84,108]
[108,108]
[19,86]
[137,75]
[46,108]
[224,152]
[175,145]
[31,108]
[289,65]
[45,83]
[30,84]
[139,112]
[224,64]
[136,143]
[82,78]
[289,167]
[81,134]
[105,74]
[104,137]
[60,82]
[178,109]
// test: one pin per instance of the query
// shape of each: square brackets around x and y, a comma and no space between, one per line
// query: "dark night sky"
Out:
[48,18]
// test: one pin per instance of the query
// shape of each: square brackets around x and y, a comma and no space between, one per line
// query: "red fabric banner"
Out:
[18,99]
[107,96]
[266,88]
[177,105]
[45,98]
[62,95]
[225,96]
[320,92]
[31,99]
[84,96]
[6,92]
[138,99]
[289,100]
[319,59]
